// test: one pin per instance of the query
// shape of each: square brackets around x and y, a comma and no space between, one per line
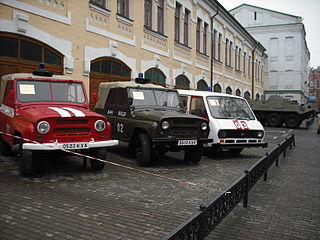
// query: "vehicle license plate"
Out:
[187,142]
[80,145]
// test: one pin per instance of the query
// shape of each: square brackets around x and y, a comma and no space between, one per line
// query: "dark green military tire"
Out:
[143,150]
[273,120]
[292,120]
[193,154]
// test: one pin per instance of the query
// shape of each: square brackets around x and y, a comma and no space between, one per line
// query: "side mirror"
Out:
[94,97]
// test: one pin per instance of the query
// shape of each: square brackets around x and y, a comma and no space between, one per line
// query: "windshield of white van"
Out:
[155,97]
[229,108]
[45,91]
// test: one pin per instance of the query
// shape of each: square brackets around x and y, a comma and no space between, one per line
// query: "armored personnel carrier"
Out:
[277,111]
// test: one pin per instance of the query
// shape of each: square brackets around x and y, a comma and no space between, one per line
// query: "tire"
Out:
[235,150]
[100,153]
[193,154]
[292,121]
[143,150]
[26,163]
[273,120]
[5,148]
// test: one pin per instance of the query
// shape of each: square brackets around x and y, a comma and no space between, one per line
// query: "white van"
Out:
[233,125]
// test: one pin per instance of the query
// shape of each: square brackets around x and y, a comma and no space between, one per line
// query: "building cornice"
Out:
[264,9]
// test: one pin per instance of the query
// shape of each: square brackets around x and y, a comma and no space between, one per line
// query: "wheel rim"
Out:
[139,153]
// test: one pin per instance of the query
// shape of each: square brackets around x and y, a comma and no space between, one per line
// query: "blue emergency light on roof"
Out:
[142,80]
[41,71]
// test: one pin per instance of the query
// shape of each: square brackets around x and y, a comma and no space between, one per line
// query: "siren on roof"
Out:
[142,80]
[41,71]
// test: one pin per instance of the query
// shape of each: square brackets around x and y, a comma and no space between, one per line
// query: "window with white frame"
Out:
[244,62]
[249,64]
[148,13]
[160,14]
[214,44]
[205,33]
[226,51]
[239,60]
[186,27]
[177,18]
[198,36]
[219,46]
[230,52]
[123,8]
[236,58]
[99,3]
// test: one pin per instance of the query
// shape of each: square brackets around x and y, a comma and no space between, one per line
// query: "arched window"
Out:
[110,66]
[22,54]
[238,92]
[247,95]
[202,85]
[106,69]
[217,88]
[228,90]
[156,76]
[182,82]
[257,96]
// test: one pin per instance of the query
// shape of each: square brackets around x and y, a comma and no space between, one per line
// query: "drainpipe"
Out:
[252,83]
[211,66]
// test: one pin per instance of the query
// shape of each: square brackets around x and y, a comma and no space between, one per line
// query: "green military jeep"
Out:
[150,119]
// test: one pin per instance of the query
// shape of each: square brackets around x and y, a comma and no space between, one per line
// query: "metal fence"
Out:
[201,223]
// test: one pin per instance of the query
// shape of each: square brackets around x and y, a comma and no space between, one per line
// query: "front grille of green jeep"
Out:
[183,128]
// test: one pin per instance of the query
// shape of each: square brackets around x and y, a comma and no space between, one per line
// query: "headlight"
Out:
[43,127]
[100,125]
[204,126]
[222,134]
[165,125]
[260,134]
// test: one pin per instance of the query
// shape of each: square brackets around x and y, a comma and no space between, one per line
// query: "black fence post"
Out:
[285,147]
[246,192]
[278,154]
[294,141]
[291,141]
[265,175]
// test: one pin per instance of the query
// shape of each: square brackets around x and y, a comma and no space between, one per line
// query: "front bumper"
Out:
[176,140]
[60,146]
[239,145]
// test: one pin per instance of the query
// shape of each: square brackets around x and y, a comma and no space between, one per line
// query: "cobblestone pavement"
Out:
[287,205]
[68,202]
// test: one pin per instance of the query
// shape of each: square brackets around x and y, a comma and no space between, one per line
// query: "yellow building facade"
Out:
[191,44]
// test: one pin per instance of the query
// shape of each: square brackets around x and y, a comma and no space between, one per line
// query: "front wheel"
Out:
[143,150]
[5,148]
[193,154]
[273,120]
[26,162]
[292,121]
[100,153]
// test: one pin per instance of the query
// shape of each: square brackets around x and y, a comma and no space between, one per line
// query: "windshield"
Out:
[155,97]
[45,91]
[229,108]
